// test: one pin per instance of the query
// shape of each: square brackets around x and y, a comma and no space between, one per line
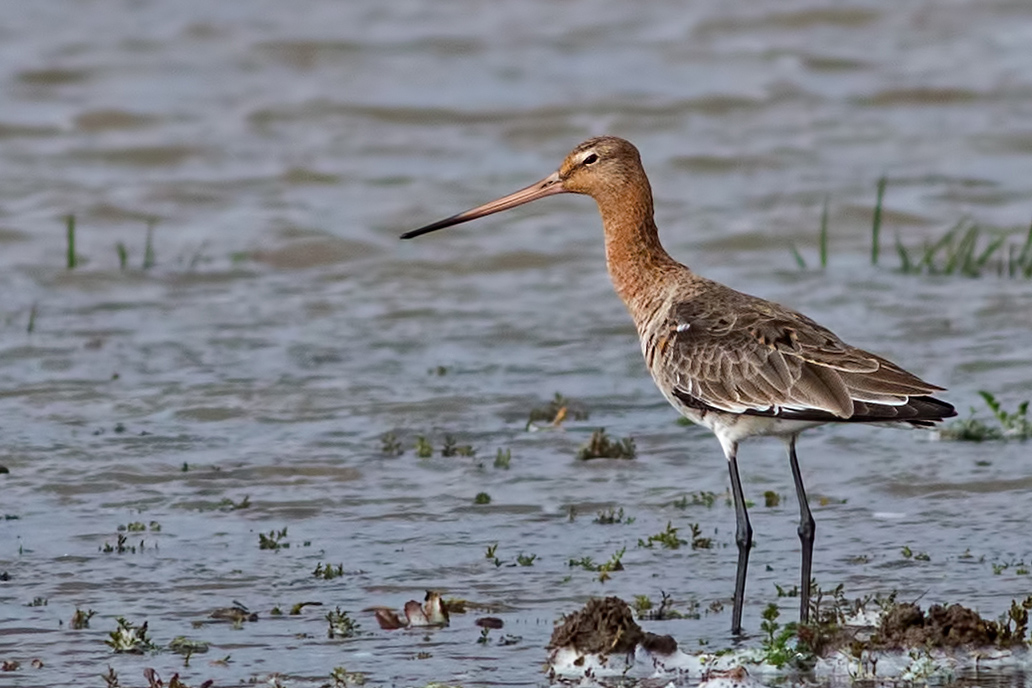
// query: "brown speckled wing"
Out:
[731,352]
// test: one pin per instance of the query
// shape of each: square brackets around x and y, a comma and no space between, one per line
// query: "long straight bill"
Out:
[549,186]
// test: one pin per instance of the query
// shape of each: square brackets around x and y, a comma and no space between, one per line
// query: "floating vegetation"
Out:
[525,559]
[228,504]
[1009,425]
[1020,568]
[642,604]
[645,609]
[614,564]
[452,448]
[343,678]
[237,614]
[81,619]
[600,446]
[482,498]
[341,625]
[154,680]
[390,445]
[611,516]
[703,498]
[299,607]
[503,458]
[121,546]
[699,542]
[667,539]
[140,527]
[274,540]
[424,449]
[555,412]
[908,553]
[182,645]
[129,638]
[771,499]
[603,570]
[328,571]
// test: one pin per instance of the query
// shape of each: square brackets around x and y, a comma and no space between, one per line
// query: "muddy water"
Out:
[283,329]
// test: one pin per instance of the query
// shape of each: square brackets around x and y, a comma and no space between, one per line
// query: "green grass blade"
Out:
[798,257]
[123,255]
[905,264]
[946,240]
[70,233]
[876,221]
[148,247]
[960,256]
[988,252]
[1024,263]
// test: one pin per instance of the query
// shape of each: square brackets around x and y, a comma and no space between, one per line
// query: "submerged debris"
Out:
[237,614]
[432,612]
[154,680]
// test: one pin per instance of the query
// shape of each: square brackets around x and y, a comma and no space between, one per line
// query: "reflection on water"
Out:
[242,385]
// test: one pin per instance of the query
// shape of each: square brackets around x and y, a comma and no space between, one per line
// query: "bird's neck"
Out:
[638,264]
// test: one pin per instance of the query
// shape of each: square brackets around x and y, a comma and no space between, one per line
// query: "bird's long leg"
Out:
[743,534]
[806,533]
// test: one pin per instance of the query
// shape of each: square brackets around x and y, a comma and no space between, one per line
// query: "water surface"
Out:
[281,148]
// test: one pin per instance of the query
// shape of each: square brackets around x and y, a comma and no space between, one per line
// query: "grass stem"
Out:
[70,220]
[876,221]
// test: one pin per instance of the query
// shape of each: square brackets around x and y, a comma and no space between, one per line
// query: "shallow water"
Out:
[283,329]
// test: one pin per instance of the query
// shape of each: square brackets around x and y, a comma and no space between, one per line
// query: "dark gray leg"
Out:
[806,533]
[743,536]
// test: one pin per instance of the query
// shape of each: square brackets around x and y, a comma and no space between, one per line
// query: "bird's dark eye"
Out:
[591,159]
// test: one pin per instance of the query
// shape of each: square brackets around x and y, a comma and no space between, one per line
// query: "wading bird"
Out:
[737,364]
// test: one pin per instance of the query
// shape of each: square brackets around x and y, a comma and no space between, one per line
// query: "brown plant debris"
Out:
[606,626]
[906,626]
